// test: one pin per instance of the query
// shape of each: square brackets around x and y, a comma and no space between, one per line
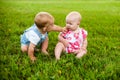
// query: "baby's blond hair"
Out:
[42,19]
[76,15]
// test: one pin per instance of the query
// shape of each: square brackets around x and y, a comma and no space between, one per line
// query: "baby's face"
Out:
[72,24]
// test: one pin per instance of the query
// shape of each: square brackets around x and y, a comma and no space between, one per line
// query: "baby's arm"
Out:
[45,46]
[31,51]
[57,28]
[61,39]
[83,49]
[84,46]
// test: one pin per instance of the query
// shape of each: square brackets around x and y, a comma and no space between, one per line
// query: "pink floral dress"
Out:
[75,39]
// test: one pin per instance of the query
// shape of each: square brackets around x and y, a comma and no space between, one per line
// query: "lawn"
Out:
[100,18]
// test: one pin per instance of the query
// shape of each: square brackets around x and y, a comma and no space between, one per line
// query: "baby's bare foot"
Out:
[57,59]
[33,58]
[79,55]
[45,52]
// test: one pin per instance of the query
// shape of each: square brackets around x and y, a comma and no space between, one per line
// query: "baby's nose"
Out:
[67,25]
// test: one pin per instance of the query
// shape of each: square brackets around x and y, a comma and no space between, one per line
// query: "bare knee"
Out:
[24,49]
[60,44]
[58,50]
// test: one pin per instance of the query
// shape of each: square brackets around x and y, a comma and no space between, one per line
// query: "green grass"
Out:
[100,18]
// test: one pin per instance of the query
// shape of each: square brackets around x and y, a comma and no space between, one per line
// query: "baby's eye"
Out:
[69,24]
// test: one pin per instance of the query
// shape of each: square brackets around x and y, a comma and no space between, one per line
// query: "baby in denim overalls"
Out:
[37,34]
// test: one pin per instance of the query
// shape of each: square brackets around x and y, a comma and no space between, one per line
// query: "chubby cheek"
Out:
[49,28]
[73,28]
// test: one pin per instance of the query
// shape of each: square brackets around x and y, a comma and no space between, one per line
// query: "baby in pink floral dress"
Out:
[74,40]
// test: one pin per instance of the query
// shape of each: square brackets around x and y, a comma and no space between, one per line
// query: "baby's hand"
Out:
[81,53]
[64,30]
[83,50]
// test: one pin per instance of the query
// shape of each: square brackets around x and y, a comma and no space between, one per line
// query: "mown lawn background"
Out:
[100,18]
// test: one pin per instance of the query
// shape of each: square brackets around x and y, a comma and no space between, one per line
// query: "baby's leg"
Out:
[58,50]
[81,53]
[24,48]
[45,46]
[31,52]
